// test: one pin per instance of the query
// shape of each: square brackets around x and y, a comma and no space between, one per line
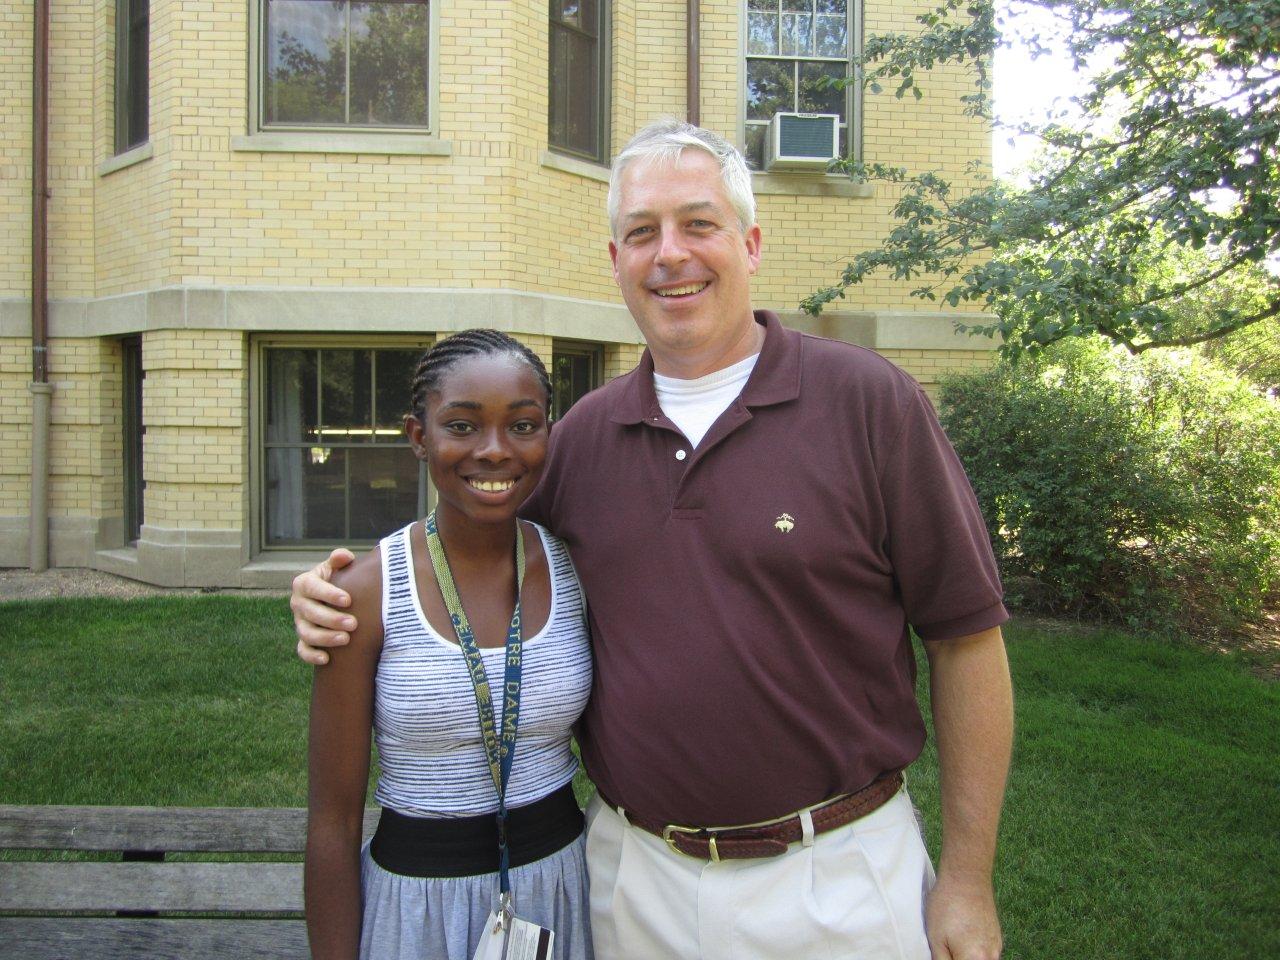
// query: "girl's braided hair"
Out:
[433,364]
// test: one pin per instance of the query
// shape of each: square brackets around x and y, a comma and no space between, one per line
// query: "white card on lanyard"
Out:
[520,940]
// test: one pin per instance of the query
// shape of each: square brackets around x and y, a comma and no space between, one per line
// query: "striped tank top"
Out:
[425,725]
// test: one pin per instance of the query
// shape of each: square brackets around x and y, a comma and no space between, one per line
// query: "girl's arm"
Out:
[338,770]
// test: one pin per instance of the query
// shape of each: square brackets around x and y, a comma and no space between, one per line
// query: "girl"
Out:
[466,602]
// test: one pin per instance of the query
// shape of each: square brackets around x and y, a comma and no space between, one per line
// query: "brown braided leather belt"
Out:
[766,839]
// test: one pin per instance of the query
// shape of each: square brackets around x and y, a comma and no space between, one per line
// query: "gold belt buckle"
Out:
[668,834]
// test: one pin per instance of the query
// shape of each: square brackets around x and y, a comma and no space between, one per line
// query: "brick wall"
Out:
[195,406]
[203,211]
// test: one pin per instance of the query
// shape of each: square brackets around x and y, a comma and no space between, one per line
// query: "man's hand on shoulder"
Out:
[316,604]
[961,922]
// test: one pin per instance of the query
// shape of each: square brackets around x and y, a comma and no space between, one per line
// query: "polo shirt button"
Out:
[680,454]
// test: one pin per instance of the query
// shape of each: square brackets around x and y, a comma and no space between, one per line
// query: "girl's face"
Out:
[483,437]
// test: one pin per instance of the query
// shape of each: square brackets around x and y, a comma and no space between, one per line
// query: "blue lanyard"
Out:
[499,741]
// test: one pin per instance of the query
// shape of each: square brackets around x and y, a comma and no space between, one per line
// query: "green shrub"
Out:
[1140,489]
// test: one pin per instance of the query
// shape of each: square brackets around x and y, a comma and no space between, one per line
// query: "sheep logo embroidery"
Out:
[786,523]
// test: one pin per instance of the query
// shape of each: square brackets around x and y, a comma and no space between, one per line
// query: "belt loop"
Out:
[806,827]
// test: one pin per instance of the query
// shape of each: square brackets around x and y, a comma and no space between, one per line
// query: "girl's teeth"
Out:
[493,486]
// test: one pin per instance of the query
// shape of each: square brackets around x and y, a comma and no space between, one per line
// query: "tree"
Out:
[1174,148]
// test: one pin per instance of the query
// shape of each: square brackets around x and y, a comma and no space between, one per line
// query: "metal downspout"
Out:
[693,75]
[41,389]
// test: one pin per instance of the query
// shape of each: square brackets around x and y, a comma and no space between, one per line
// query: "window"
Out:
[792,48]
[575,372]
[131,421]
[578,94]
[345,64]
[335,464]
[133,19]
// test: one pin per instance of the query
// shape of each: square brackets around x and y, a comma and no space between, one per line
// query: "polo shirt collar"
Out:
[775,378]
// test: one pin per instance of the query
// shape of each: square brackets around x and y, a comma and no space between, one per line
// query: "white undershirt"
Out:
[694,405]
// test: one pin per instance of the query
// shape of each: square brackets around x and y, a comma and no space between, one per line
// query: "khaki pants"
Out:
[856,893]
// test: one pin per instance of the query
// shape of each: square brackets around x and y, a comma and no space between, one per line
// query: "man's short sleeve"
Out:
[936,539]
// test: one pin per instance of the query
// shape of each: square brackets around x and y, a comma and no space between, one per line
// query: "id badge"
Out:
[521,940]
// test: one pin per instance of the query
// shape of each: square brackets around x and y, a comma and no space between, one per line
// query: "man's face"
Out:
[684,264]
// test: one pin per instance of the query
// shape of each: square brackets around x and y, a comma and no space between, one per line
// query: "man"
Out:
[757,516]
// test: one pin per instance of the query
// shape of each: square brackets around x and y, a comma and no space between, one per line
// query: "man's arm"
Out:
[972,701]
[314,601]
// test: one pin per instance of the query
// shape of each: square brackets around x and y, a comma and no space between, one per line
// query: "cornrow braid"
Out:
[433,364]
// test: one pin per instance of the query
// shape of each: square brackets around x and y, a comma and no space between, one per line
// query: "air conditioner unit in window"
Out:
[802,141]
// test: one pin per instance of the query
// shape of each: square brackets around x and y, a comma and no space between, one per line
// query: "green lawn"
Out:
[1142,818]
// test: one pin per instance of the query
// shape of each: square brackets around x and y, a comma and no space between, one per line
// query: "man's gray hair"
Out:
[665,140]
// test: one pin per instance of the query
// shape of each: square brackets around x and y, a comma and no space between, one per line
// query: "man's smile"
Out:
[683,290]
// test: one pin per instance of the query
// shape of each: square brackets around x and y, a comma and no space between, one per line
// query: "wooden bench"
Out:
[140,904]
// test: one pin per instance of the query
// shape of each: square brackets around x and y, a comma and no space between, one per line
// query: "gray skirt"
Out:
[442,918]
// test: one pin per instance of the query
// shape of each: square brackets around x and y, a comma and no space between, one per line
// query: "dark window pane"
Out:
[317,491]
[770,88]
[816,96]
[797,6]
[573,122]
[569,12]
[389,64]
[832,37]
[797,35]
[395,381]
[762,32]
[346,395]
[762,5]
[139,31]
[384,491]
[131,74]
[291,396]
[755,145]
[305,62]
[306,495]
[582,15]
[573,376]
[833,6]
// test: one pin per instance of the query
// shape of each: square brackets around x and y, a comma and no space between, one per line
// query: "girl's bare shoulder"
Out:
[363,581]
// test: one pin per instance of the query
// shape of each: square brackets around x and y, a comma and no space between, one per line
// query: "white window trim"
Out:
[774,182]
[320,138]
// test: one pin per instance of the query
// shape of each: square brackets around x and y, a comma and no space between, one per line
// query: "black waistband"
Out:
[466,846]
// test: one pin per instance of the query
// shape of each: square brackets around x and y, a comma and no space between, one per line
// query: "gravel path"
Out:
[74,582]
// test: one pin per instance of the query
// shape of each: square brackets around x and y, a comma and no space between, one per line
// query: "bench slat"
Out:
[249,887]
[187,829]
[62,938]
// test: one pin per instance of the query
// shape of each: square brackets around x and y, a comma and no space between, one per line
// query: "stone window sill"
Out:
[127,159]
[809,185]
[343,142]
[583,168]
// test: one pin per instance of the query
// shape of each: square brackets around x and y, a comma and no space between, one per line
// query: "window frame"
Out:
[257,88]
[257,433]
[133,377]
[852,140]
[594,352]
[124,92]
[604,84]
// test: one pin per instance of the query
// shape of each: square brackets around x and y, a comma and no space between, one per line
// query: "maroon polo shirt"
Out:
[749,600]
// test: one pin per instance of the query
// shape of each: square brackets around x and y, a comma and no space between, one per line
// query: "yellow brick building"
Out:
[261,210]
